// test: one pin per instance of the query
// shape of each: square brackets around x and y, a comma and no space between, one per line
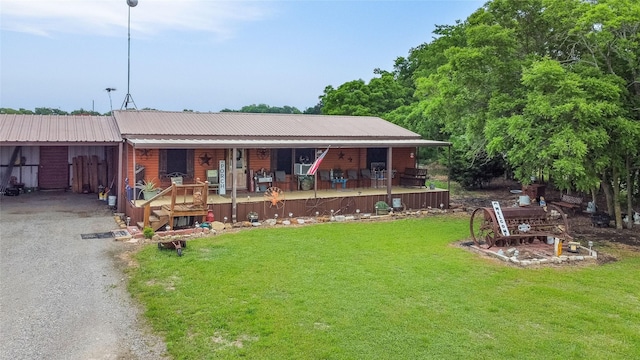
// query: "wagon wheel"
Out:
[274,197]
[313,205]
[482,227]
[347,206]
[561,222]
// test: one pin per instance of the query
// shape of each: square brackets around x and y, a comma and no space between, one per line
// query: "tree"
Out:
[264,108]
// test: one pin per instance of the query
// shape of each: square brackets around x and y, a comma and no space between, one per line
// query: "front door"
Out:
[240,172]
[54,167]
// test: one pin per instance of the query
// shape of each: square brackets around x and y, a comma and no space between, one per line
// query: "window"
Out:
[377,157]
[283,160]
[305,156]
[176,162]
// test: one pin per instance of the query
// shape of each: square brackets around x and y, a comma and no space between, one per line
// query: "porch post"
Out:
[315,175]
[133,181]
[119,199]
[389,173]
[234,190]
[449,176]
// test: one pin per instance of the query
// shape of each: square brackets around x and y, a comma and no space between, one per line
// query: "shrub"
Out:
[148,232]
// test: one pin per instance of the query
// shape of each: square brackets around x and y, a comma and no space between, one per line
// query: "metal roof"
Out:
[162,129]
[250,126]
[18,129]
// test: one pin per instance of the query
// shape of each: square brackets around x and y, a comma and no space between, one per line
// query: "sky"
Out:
[203,55]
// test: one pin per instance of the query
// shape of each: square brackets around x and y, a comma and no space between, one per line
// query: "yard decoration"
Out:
[274,197]
[382,208]
[518,225]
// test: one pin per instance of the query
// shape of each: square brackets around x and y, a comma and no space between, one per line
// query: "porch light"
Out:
[412,155]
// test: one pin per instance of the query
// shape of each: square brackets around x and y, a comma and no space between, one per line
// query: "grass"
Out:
[383,290]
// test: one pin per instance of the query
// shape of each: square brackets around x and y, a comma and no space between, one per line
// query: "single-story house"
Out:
[241,157]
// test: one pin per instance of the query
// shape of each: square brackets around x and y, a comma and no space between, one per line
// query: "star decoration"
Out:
[144,152]
[341,155]
[350,159]
[262,153]
[205,159]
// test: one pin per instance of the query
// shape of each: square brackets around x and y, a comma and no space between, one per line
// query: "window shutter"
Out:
[162,166]
[191,154]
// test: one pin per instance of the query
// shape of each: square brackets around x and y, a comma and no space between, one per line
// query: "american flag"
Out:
[316,164]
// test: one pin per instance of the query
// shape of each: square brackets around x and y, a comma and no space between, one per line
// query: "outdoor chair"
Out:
[281,179]
[366,174]
[325,176]
[212,178]
[352,175]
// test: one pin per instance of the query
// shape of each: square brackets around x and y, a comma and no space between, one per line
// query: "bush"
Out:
[148,232]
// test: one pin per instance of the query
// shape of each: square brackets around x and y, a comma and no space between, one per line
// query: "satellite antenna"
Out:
[109,90]
[128,99]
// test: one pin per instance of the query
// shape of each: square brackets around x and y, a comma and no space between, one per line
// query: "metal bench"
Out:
[570,203]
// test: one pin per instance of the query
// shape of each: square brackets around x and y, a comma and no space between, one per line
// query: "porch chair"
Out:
[281,179]
[366,174]
[212,178]
[325,176]
[352,175]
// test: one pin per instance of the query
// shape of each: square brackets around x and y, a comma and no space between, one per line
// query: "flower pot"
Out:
[306,184]
[149,194]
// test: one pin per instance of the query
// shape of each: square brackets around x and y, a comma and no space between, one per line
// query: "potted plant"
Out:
[306,182]
[149,189]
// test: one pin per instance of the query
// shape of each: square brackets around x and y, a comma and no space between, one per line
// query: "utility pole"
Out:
[128,99]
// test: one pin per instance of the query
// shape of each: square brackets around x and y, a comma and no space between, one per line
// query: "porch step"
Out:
[157,220]
[160,213]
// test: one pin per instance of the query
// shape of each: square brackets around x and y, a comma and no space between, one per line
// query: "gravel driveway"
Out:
[61,296]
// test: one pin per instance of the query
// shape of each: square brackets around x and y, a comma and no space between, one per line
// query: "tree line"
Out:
[539,88]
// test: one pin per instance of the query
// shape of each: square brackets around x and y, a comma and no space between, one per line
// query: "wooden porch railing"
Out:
[179,205]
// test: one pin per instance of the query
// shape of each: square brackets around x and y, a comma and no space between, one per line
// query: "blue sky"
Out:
[203,55]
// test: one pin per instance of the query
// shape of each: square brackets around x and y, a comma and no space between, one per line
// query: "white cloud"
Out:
[108,17]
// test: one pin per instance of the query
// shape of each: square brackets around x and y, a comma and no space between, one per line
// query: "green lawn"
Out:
[381,290]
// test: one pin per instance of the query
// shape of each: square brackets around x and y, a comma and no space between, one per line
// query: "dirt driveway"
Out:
[62,296]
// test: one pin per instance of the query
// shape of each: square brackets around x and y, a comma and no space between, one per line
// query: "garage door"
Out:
[54,167]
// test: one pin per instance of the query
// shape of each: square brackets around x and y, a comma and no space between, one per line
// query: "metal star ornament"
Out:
[205,159]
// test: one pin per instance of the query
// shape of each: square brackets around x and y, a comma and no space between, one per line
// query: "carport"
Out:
[65,152]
